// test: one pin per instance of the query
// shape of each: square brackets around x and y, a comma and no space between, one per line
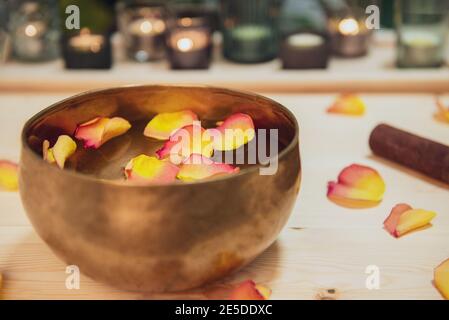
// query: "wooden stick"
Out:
[426,156]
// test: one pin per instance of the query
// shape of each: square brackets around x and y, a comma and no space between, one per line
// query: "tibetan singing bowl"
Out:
[155,238]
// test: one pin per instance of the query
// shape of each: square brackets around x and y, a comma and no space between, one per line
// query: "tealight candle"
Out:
[350,37]
[87,42]
[87,51]
[190,44]
[29,39]
[34,31]
[143,29]
[304,51]
[418,48]
[249,43]
[146,41]
[250,30]
[422,33]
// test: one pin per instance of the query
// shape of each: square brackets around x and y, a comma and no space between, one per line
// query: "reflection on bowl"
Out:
[155,238]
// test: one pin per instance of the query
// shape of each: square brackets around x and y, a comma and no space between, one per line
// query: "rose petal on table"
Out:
[144,169]
[233,132]
[164,124]
[62,150]
[198,167]
[348,104]
[357,186]
[9,176]
[98,131]
[441,278]
[184,142]
[412,220]
[392,220]
[442,111]
[264,291]
[248,290]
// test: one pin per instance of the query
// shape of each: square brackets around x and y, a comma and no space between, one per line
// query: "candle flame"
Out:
[146,27]
[349,26]
[84,31]
[30,30]
[186,22]
[184,44]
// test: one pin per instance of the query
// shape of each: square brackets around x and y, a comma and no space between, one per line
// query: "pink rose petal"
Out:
[98,131]
[198,167]
[146,170]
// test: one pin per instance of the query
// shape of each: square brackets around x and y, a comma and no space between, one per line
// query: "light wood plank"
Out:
[323,247]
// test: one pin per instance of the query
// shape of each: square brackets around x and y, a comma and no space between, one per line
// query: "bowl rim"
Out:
[122,183]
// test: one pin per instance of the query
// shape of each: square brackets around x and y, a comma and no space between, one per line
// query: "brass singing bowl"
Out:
[156,238]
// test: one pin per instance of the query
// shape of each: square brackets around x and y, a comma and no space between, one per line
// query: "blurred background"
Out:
[281,45]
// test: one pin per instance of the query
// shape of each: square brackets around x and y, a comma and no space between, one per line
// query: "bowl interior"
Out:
[138,105]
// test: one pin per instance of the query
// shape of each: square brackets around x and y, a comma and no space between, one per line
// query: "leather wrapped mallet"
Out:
[426,156]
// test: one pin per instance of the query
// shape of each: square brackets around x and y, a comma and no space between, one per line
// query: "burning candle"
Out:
[348,27]
[34,31]
[250,43]
[87,51]
[143,29]
[422,33]
[350,37]
[250,30]
[190,44]
[30,38]
[304,51]
[87,42]
[419,48]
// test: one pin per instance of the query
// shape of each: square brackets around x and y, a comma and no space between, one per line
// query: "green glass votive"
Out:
[422,33]
[249,30]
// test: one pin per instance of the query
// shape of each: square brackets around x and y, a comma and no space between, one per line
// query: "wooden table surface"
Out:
[323,246]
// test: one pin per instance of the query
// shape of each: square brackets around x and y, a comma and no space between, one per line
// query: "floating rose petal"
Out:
[8,176]
[357,187]
[441,278]
[348,104]
[185,142]
[144,169]
[47,153]
[164,124]
[234,132]
[264,291]
[198,167]
[442,112]
[98,131]
[61,151]
[248,290]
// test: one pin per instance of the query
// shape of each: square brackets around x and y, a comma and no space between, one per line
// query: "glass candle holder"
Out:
[422,33]
[350,36]
[304,38]
[250,32]
[205,8]
[305,50]
[34,30]
[87,50]
[189,42]
[143,28]
[4,35]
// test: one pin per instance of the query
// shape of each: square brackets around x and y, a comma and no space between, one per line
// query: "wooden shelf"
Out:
[373,73]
